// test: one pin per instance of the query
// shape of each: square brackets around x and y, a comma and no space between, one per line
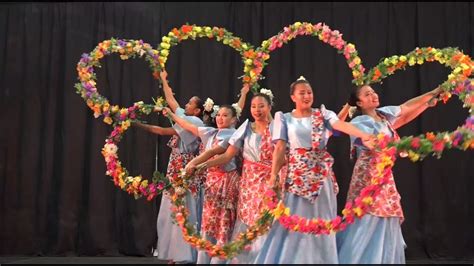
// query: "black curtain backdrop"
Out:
[55,198]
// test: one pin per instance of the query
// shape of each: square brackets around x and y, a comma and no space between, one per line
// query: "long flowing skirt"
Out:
[372,239]
[282,246]
[171,244]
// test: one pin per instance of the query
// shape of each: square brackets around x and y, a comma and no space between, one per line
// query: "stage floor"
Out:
[146,260]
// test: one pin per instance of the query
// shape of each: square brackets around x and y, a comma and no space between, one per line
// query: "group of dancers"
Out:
[287,153]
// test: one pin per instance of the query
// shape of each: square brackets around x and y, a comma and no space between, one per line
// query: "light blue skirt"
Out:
[372,239]
[282,246]
[171,244]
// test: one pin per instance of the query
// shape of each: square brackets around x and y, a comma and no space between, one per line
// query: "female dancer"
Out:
[377,237]
[310,188]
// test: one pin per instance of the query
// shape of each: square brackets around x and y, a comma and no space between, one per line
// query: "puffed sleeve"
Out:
[205,133]
[392,113]
[223,137]
[280,128]
[186,136]
[329,117]
[237,139]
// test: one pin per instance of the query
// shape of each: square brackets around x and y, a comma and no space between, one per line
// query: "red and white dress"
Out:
[220,189]
[376,238]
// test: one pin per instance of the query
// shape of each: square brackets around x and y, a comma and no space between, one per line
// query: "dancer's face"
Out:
[224,118]
[368,98]
[302,96]
[192,108]
[260,109]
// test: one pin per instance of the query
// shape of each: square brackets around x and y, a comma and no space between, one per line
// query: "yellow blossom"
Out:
[413,156]
[124,111]
[115,109]
[403,58]
[144,183]
[356,60]
[358,211]
[125,125]
[464,66]
[346,212]
[165,52]
[122,183]
[368,200]
[108,120]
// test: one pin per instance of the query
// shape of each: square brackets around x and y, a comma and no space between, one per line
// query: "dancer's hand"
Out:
[166,111]
[369,141]
[274,182]
[436,95]
[190,168]
[163,74]
[245,89]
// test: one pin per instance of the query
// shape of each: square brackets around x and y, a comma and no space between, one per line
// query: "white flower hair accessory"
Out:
[352,111]
[238,110]
[269,93]
[215,109]
[208,105]
[301,78]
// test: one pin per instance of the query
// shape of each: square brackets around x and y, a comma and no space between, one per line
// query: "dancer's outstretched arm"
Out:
[367,139]
[169,96]
[185,124]
[156,129]
[243,95]
[415,106]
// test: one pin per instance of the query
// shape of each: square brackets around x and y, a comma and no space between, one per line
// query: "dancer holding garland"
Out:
[253,140]
[310,187]
[184,147]
[221,183]
[377,237]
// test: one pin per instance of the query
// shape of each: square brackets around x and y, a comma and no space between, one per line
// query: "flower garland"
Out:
[383,169]
[120,118]
[415,147]
[87,88]
[458,83]
[246,50]
[180,213]
[320,30]
[138,186]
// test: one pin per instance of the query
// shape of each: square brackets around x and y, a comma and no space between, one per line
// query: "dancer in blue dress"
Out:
[377,236]
[310,187]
